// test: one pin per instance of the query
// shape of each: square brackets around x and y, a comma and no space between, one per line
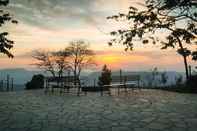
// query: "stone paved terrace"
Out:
[148,110]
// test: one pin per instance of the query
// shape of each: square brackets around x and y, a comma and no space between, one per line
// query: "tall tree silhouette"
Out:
[80,57]
[146,23]
[75,57]
[5,43]
[179,10]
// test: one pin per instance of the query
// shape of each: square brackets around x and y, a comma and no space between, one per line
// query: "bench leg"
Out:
[68,90]
[78,91]
[52,89]
[46,90]
[109,92]
[125,88]
[61,90]
[118,90]
[101,91]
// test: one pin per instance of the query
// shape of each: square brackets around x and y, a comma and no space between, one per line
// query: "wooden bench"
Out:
[63,83]
[126,82]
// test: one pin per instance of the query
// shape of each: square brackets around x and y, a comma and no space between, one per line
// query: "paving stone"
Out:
[121,129]
[158,126]
[151,110]
[140,129]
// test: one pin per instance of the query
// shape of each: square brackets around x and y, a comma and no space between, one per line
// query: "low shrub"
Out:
[37,82]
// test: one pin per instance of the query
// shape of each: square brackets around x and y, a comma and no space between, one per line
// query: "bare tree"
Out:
[80,57]
[76,57]
[61,62]
[45,61]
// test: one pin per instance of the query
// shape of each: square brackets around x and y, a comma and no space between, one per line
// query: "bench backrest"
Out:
[132,78]
[60,79]
[117,79]
[123,79]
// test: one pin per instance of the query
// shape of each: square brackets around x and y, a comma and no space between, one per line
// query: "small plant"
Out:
[192,82]
[164,78]
[152,78]
[179,80]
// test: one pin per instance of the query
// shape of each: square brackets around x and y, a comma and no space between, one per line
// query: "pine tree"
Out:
[105,78]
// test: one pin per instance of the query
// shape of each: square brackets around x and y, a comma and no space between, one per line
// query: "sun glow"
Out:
[116,61]
[109,59]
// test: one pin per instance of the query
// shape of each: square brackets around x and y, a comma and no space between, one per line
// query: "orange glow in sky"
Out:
[51,25]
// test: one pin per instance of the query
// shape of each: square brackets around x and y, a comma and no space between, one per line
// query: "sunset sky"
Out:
[51,24]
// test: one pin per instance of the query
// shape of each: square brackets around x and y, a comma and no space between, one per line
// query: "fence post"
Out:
[1,85]
[12,84]
[8,82]
[120,81]
[94,83]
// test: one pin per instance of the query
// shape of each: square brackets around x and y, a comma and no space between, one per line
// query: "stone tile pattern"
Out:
[145,110]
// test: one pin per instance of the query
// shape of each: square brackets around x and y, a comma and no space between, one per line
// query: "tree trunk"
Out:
[75,77]
[52,73]
[184,58]
[186,67]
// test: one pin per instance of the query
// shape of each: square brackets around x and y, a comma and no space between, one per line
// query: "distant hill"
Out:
[21,76]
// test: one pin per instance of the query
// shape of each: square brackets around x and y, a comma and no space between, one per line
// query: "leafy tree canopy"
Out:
[181,9]
[145,24]
[5,43]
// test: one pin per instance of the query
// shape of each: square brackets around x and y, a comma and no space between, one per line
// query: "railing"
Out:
[7,84]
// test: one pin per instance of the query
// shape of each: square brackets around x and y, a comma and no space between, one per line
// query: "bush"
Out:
[192,82]
[37,82]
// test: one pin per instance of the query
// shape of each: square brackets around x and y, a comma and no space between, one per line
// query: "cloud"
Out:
[51,24]
[54,14]
[47,13]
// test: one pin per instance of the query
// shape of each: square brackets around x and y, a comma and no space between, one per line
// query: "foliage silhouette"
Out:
[105,78]
[45,61]
[164,78]
[53,62]
[192,82]
[153,77]
[146,23]
[179,80]
[37,82]
[180,9]
[80,57]
[75,57]
[61,62]
[5,43]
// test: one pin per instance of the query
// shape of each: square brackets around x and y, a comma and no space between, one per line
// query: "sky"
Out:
[52,24]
